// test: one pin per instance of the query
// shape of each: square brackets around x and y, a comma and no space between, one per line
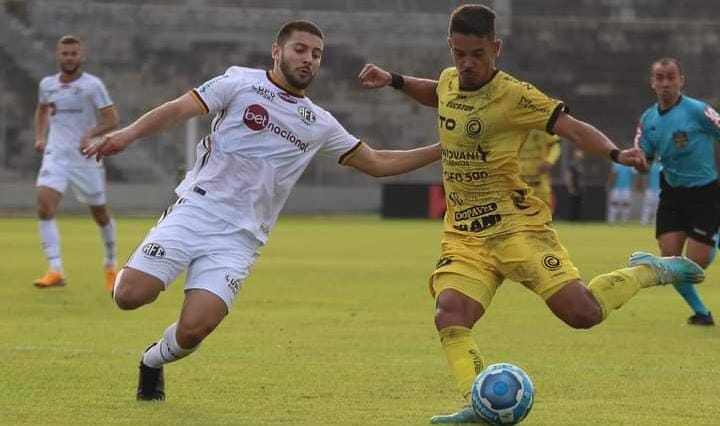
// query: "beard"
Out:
[66,70]
[290,77]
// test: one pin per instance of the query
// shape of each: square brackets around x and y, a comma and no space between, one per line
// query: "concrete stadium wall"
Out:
[593,54]
[151,199]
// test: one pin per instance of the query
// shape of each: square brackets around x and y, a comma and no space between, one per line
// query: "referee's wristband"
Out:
[614,154]
[397,81]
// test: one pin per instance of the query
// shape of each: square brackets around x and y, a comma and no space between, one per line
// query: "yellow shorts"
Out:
[545,196]
[477,266]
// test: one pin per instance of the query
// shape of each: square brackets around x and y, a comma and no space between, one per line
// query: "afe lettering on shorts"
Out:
[154,250]
[551,262]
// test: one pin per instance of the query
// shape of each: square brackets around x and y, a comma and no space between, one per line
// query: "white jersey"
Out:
[73,111]
[261,141]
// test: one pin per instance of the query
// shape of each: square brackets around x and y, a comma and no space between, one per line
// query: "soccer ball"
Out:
[503,394]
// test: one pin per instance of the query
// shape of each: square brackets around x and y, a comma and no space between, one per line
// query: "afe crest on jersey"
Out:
[306,115]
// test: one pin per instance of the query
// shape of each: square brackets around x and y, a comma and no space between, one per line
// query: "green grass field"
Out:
[335,327]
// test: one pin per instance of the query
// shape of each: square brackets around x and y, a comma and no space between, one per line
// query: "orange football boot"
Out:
[50,279]
[110,275]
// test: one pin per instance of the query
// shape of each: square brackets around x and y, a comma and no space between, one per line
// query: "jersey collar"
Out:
[289,92]
[665,111]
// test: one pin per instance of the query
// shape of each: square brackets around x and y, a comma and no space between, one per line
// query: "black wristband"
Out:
[614,155]
[397,81]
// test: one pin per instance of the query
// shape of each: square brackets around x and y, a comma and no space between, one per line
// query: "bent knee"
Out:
[583,318]
[130,295]
[127,299]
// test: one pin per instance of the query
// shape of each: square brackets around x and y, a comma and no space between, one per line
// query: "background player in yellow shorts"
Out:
[494,227]
[537,156]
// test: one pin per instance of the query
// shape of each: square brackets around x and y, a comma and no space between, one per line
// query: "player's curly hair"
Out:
[473,19]
[304,26]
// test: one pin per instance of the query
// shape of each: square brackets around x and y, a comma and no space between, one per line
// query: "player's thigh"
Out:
[88,184]
[133,285]
[53,176]
[537,260]
[700,252]
[671,243]
[468,269]
[223,270]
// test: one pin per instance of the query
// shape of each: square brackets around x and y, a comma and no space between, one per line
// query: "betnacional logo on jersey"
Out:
[681,139]
[306,115]
[154,250]
[257,118]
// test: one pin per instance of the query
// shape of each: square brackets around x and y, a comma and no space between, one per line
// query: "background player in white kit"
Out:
[264,135]
[65,122]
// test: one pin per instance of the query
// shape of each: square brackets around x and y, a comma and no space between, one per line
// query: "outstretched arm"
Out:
[41,125]
[594,142]
[379,163]
[167,115]
[108,121]
[420,89]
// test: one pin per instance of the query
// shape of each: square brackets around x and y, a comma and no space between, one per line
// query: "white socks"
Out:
[166,350]
[107,233]
[50,238]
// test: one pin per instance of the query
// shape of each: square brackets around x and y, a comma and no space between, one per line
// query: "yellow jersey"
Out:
[539,147]
[481,132]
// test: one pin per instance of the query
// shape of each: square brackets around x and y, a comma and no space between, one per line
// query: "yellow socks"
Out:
[614,289]
[463,357]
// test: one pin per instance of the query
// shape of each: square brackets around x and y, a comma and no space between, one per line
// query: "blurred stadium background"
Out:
[594,54]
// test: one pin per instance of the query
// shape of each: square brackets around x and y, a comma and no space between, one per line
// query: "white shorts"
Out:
[217,254]
[620,196]
[88,183]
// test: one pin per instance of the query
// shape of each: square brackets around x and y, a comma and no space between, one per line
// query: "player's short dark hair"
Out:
[303,26]
[473,19]
[667,61]
[69,39]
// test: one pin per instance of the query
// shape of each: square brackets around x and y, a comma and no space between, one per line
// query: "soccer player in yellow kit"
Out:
[494,227]
[537,156]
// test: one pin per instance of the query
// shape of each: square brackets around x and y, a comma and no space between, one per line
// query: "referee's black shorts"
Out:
[693,210]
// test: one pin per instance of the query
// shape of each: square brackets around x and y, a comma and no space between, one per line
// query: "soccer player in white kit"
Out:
[65,122]
[264,134]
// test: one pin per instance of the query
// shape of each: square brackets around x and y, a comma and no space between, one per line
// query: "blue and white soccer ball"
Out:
[503,394]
